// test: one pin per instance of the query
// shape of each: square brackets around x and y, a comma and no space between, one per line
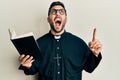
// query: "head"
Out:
[57,17]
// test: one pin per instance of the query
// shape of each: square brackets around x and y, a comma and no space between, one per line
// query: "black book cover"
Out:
[25,44]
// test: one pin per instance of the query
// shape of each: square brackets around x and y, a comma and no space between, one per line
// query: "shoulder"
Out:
[77,43]
[74,37]
[43,38]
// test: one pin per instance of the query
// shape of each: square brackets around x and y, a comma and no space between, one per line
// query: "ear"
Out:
[48,19]
[66,19]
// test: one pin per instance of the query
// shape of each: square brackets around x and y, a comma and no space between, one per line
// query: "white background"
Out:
[83,15]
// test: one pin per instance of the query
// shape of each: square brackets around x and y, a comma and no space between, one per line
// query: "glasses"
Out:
[54,11]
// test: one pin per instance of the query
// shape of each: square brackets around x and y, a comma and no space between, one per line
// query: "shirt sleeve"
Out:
[32,70]
[92,62]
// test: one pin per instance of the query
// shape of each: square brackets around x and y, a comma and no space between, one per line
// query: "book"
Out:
[25,44]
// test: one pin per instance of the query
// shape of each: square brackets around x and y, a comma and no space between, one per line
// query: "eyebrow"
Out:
[57,8]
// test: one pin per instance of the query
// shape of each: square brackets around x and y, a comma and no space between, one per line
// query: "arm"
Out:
[92,62]
[95,54]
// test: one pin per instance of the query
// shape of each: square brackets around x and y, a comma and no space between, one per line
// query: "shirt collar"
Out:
[57,36]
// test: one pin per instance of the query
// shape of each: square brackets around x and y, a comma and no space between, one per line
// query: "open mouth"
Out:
[58,23]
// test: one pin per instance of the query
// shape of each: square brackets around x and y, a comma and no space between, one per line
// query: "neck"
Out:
[59,33]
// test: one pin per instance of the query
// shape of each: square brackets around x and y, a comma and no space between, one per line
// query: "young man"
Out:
[63,55]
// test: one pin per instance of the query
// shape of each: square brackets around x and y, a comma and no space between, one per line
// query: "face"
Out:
[57,19]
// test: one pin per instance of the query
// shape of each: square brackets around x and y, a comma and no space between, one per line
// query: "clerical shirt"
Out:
[63,57]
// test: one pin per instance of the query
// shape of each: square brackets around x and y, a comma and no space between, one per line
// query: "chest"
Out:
[68,50]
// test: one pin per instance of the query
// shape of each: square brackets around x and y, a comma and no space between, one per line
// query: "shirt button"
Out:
[58,64]
[58,72]
[49,72]
[57,40]
[58,48]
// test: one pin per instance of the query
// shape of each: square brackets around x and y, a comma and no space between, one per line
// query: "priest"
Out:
[63,56]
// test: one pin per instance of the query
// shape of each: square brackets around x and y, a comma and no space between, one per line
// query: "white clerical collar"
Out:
[57,37]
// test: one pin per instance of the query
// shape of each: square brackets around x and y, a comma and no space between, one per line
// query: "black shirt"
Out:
[63,58]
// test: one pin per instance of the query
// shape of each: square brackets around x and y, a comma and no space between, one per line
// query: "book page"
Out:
[13,35]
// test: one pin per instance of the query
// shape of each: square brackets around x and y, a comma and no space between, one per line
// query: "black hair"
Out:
[55,4]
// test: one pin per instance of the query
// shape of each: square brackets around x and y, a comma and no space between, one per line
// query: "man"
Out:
[63,55]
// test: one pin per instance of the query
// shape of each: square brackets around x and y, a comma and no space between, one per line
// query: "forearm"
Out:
[92,62]
[29,71]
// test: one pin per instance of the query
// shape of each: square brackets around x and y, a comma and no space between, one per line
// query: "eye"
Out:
[62,11]
[53,11]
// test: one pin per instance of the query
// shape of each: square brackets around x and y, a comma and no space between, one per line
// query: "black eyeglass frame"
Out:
[54,11]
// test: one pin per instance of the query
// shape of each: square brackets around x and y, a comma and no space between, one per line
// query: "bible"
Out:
[25,44]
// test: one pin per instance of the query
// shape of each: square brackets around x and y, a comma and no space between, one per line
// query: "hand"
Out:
[26,61]
[95,45]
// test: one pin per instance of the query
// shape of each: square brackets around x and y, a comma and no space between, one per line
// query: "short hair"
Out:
[55,4]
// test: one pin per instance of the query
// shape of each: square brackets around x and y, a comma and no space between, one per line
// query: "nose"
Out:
[57,13]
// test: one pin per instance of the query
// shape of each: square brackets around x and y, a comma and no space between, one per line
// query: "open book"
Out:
[25,44]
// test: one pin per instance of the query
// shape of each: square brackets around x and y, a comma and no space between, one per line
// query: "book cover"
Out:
[25,44]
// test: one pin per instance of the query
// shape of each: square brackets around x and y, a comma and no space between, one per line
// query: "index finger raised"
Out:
[94,35]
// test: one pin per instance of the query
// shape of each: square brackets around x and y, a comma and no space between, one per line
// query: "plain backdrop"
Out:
[83,15]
